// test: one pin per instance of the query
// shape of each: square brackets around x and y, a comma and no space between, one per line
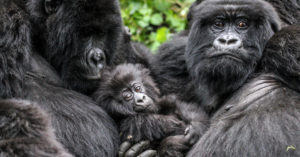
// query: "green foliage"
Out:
[152,22]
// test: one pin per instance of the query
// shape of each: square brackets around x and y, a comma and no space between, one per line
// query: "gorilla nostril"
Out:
[232,41]
[140,101]
[222,41]
[96,57]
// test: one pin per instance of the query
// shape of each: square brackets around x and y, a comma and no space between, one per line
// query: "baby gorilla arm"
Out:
[193,115]
[150,127]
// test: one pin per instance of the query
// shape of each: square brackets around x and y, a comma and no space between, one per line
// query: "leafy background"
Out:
[152,22]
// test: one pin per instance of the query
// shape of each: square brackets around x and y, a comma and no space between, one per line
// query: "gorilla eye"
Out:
[127,95]
[137,88]
[219,24]
[242,24]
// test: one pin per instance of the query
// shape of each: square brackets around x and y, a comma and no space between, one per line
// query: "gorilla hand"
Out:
[140,149]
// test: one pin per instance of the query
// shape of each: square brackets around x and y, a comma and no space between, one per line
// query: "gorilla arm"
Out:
[150,127]
[263,121]
[26,131]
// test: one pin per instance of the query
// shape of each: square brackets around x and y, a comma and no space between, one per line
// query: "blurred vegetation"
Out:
[152,22]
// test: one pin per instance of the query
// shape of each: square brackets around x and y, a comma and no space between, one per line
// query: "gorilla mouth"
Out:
[226,55]
[142,108]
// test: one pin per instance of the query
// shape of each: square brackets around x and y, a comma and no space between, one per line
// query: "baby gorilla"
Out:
[131,97]
[26,132]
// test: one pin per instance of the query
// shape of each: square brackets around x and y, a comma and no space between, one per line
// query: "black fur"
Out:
[215,78]
[288,10]
[169,66]
[68,32]
[212,80]
[81,126]
[165,116]
[142,125]
[262,118]
[170,71]
[26,131]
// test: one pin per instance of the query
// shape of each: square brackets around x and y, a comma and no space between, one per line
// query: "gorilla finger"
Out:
[187,130]
[137,148]
[148,153]
[124,147]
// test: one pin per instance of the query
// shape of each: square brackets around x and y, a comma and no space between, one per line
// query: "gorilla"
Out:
[80,38]
[262,118]
[131,97]
[169,66]
[26,131]
[83,128]
[235,34]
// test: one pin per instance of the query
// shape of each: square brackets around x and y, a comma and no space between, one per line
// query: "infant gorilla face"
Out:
[135,96]
[127,90]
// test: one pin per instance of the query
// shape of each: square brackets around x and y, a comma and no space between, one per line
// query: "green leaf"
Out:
[156,19]
[161,5]
[155,46]
[143,23]
[161,34]
[152,22]
[134,6]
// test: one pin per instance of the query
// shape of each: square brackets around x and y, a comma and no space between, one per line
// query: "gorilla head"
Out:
[128,90]
[78,37]
[225,42]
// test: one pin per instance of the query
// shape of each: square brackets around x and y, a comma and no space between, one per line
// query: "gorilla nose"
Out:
[140,99]
[96,58]
[228,42]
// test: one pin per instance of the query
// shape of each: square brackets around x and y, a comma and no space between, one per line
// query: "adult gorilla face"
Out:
[79,37]
[225,42]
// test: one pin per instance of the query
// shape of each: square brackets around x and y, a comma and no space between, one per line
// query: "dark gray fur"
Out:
[81,126]
[262,118]
[26,131]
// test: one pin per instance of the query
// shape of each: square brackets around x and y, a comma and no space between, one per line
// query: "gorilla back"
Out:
[262,118]
[81,126]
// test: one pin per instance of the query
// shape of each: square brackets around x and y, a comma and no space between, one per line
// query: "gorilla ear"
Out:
[51,6]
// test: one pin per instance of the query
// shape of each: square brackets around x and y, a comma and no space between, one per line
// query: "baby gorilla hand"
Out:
[173,146]
[178,145]
[140,149]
